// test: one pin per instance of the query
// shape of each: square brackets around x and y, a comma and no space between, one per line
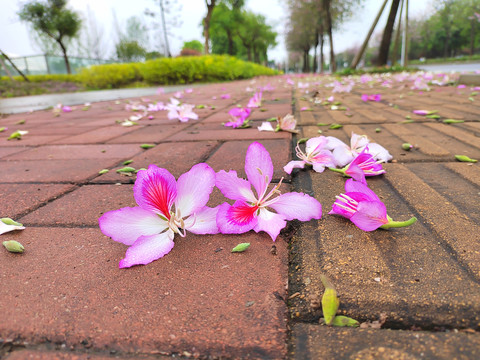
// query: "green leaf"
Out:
[322,124]
[241,247]
[465,158]
[452,121]
[342,321]
[335,126]
[127,162]
[147,146]
[103,171]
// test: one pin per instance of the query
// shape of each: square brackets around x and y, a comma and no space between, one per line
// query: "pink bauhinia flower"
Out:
[363,207]
[424,112]
[182,112]
[374,97]
[239,117]
[344,154]
[165,207]
[286,123]
[363,165]
[255,101]
[225,96]
[250,211]
[316,154]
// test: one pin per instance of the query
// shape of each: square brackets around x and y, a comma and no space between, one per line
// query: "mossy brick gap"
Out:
[419,282]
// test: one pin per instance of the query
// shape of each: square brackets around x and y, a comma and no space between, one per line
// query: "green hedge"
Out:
[43,78]
[181,70]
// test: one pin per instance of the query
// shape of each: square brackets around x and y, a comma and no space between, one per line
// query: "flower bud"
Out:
[241,247]
[465,158]
[13,246]
[407,146]
[8,221]
[330,301]
[342,321]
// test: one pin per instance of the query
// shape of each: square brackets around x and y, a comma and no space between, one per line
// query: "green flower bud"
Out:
[103,171]
[342,321]
[241,247]
[126,169]
[407,146]
[147,146]
[335,126]
[8,221]
[13,246]
[452,121]
[465,158]
[330,301]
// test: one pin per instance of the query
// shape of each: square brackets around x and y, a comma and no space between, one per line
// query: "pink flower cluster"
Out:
[167,207]
[359,160]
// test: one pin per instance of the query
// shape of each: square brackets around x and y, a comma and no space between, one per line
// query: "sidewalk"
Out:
[65,298]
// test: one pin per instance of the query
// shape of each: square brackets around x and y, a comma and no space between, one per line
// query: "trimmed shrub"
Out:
[43,78]
[168,71]
[109,76]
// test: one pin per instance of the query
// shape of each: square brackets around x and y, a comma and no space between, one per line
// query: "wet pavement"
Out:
[66,298]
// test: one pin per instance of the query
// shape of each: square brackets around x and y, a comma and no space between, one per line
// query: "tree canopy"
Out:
[240,33]
[51,18]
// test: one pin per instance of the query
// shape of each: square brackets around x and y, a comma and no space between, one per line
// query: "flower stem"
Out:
[341,171]
[397,224]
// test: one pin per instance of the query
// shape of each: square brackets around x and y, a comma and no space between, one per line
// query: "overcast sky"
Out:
[15,39]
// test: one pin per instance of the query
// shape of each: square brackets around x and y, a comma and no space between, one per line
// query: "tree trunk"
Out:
[397,36]
[249,53]
[315,45]
[306,63]
[14,66]
[65,57]
[472,36]
[230,42]
[256,55]
[328,21]
[387,34]
[206,24]
[322,57]
[167,47]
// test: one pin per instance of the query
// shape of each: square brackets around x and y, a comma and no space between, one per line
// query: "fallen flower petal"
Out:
[239,117]
[255,101]
[266,126]
[316,154]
